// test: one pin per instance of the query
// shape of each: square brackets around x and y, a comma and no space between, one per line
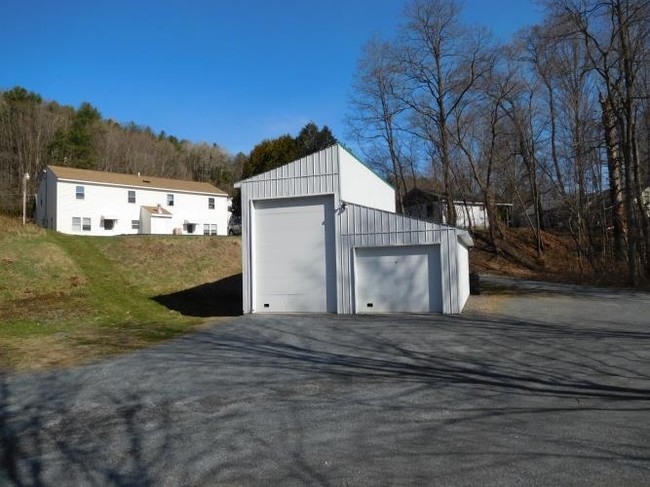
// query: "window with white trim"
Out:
[213,229]
[135,224]
[170,200]
[80,224]
[206,229]
[210,203]
[80,192]
[131,196]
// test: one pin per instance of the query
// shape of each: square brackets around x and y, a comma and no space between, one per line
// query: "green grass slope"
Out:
[67,299]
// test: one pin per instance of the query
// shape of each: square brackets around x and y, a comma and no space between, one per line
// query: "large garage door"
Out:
[294,255]
[398,279]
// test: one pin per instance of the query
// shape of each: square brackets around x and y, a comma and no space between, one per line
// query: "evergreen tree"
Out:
[76,146]
[311,139]
[273,153]
[270,154]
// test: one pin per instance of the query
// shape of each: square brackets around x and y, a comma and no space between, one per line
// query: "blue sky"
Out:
[231,72]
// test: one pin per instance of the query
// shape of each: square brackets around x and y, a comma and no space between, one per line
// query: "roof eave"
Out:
[127,185]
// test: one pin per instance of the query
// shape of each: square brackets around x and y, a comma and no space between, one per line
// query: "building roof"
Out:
[133,180]
[157,210]
[310,165]
[425,195]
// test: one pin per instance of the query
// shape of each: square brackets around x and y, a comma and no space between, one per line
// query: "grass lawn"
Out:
[66,300]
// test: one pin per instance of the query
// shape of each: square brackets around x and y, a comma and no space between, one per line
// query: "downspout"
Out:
[345,298]
[47,201]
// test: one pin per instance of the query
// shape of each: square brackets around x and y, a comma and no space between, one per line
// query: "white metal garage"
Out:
[399,278]
[295,270]
[321,235]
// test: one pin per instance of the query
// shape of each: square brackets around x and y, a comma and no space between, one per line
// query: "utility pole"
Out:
[25,179]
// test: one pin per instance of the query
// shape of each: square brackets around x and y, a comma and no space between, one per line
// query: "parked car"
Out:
[234,226]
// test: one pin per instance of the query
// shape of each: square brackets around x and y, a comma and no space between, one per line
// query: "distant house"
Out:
[470,213]
[557,211]
[84,202]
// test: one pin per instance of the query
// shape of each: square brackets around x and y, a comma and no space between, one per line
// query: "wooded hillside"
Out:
[35,132]
[555,121]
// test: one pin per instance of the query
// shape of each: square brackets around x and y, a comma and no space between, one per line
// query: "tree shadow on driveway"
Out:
[510,356]
[335,400]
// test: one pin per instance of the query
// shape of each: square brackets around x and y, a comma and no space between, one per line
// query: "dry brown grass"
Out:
[33,269]
[13,226]
[44,352]
[30,268]
[560,260]
[67,348]
[68,300]
[166,265]
[484,304]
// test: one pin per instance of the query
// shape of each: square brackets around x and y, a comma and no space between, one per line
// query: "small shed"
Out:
[321,234]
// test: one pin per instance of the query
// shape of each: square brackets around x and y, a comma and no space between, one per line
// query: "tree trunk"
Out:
[641,207]
[627,121]
[615,181]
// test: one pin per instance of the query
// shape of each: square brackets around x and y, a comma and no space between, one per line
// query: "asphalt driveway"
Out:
[543,388]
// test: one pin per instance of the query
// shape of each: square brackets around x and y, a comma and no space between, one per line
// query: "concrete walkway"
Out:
[542,390]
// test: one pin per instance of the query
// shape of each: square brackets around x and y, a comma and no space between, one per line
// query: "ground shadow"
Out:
[263,400]
[219,298]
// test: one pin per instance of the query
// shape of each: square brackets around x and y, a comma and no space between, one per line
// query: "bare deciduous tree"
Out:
[442,61]
[378,115]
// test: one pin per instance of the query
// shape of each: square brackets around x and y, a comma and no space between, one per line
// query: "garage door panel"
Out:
[294,255]
[398,279]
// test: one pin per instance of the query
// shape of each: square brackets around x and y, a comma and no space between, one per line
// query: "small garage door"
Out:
[398,279]
[294,255]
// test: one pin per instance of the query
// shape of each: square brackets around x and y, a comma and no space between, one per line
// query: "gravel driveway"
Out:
[538,388]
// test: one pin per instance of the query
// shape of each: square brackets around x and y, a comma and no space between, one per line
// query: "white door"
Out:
[398,279]
[294,255]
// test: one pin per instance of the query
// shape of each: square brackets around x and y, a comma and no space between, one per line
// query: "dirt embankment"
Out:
[559,261]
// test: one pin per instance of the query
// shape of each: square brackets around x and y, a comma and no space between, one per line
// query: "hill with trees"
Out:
[556,121]
[35,132]
[272,153]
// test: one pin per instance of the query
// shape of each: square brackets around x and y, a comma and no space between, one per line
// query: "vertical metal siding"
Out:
[360,226]
[355,226]
[312,175]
